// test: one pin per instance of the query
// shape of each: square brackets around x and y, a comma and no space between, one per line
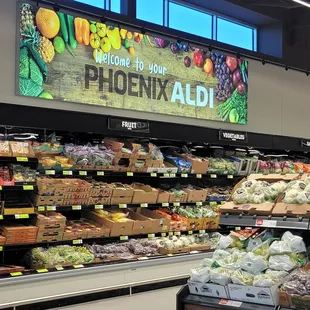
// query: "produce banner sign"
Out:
[69,58]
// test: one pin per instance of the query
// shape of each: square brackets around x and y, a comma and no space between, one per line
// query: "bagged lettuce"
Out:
[200,274]
[266,280]
[282,262]
[220,276]
[253,264]
[241,277]
[295,242]
[279,247]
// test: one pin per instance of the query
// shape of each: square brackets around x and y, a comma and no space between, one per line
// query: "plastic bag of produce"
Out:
[253,264]
[262,249]
[302,197]
[282,262]
[296,185]
[225,242]
[258,197]
[220,276]
[249,186]
[207,262]
[279,274]
[266,280]
[289,196]
[296,243]
[219,255]
[295,287]
[279,186]
[241,196]
[201,275]
[279,247]
[241,277]
[233,261]
[253,243]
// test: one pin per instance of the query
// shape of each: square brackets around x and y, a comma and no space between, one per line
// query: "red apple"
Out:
[198,58]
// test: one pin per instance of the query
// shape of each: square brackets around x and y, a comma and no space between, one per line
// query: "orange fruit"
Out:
[208,66]
[131,50]
[129,35]
[47,22]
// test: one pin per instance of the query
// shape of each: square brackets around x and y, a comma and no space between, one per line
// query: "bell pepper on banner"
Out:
[114,37]
[82,30]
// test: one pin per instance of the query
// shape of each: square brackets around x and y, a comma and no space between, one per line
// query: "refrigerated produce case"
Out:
[67,281]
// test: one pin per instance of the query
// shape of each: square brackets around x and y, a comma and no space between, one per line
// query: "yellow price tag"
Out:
[198,176]
[82,172]
[59,268]
[177,233]
[176,204]
[22,216]
[41,209]
[170,233]
[50,172]
[202,231]
[166,175]
[190,232]
[51,208]
[0,188]
[22,159]
[78,266]
[28,187]
[100,173]
[98,207]
[151,235]
[143,205]
[153,175]
[76,207]
[16,274]
[42,270]
[163,234]
[129,174]
[199,203]
[165,204]
[184,175]
[213,203]
[170,255]
[1,248]
[1,217]
[172,175]
[122,206]
[230,176]
[123,238]
[213,176]
[67,172]
[78,241]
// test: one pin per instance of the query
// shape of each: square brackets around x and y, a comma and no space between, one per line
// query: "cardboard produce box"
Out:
[74,234]
[141,224]
[144,193]
[173,197]
[163,196]
[155,165]
[208,289]
[48,200]
[196,194]
[211,222]
[49,236]
[51,221]
[2,240]
[116,228]
[101,189]
[51,187]
[251,208]
[18,234]
[159,222]
[99,201]
[21,149]
[199,164]
[253,294]
[122,194]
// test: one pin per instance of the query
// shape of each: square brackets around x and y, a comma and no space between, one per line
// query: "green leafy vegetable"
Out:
[28,87]
[35,73]
[23,63]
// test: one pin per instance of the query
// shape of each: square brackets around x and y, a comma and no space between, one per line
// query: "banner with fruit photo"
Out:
[69,58]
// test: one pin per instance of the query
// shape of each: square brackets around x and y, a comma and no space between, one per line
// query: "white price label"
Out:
[265,223]
[231,303]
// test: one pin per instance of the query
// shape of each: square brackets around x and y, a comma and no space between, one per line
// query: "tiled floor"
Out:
[159,299]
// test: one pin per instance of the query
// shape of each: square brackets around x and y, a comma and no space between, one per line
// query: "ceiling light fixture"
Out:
[302,2]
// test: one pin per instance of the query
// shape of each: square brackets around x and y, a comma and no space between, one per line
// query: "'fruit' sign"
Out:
[69,58]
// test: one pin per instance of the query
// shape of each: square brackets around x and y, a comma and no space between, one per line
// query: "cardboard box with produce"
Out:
[294,200]
[199,164]
[160,223]
[256,195]
[144,193]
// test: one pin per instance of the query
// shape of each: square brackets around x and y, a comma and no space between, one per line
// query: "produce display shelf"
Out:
[284,222]
[100,264]
[19,187]
[108,173]
[123,206]
[103,240]
[18,159]
[21,216]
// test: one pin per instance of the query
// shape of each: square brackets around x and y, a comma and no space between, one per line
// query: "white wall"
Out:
[278,100]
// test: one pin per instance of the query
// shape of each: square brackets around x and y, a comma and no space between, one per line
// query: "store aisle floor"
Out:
[154,300]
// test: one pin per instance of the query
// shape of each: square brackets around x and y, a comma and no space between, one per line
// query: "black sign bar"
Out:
[231,135]
[123,124]
[305,143]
